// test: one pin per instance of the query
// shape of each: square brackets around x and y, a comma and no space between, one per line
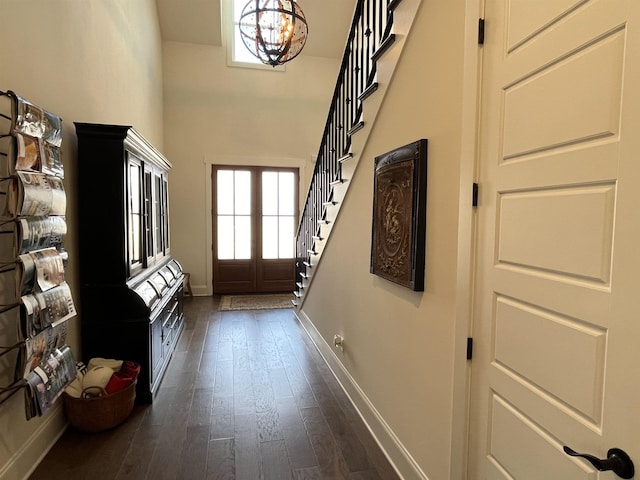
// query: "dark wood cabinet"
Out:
[131,288]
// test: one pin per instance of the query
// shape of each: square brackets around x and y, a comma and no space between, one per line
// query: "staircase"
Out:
[370,37]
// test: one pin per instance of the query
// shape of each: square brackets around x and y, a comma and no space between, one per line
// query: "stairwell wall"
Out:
[399,345]
[217,114]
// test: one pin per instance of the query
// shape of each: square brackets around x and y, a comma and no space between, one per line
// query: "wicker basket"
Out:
[95,414]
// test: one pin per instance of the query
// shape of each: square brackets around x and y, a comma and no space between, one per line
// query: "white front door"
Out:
[557,289]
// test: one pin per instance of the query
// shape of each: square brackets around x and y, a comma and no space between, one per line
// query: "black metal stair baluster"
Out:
[369,41]
[369,27]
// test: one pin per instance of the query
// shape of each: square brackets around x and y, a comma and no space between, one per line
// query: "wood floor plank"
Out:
[201,406]
[213,333]
[270,353]
[294,432]
[264,397]
[330,460]
[223,385]
[246,396]
[226,327]
[238,334]
[221,460]
[370,474]
[166,458]
[275,462]
[73,466]
[243,399]
[279,382]
[180,405]
[222,418]
[298,383]
[193,462]
[257,359]
[104,448]
[311,473]
[222,426]
[247,450]
[346,440]
[252,329]
[269,426]
[207,370]
[222,404]
[137,461]
[161,407]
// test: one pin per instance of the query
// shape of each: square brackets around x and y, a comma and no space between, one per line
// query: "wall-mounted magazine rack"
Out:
[36,300]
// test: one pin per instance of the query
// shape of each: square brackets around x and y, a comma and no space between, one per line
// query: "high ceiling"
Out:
[200,21]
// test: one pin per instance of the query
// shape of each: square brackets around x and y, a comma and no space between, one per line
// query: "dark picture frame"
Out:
[398,234]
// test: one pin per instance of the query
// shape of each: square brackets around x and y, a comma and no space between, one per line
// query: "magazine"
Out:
[18,115]
[46,382]
[52,160]
[31,166]
[41,310]
[25,275]
[28,153]
[40,269]
[23,116]
[35,233]
[29,118]
[39,347]
[52,129]
[33,194]
[30,324]
[21,152]
[49,268]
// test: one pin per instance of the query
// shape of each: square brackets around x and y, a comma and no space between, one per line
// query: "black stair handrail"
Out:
[370,30]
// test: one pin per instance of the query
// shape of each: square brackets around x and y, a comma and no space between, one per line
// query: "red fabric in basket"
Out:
[124,377]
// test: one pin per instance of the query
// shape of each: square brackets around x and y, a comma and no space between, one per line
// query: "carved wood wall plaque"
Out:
[399,215]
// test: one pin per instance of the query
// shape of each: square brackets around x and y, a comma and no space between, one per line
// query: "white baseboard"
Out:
[396,453]
[201,291]
[27,458]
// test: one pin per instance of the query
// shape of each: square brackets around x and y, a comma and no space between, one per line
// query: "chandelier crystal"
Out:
[275,31]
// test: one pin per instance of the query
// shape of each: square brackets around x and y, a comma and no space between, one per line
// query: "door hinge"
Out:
[469,348]
[474,195]
[481,31]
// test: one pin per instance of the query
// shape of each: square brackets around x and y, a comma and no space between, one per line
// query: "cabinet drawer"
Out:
[157,340]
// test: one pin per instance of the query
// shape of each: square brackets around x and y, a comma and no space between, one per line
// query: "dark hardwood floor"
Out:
[246,396]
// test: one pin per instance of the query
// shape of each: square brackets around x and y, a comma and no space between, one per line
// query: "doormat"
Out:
[255,302]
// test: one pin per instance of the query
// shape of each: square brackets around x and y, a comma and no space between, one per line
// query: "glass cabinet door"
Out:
[148,219]
[158,214]
[165,213]
[148,216]
[135,220]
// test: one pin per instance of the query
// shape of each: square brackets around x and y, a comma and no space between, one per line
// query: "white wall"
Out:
[87,61]
[216,114]
[100,60]
[400,346]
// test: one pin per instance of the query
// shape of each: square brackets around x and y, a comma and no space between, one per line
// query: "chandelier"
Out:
[275,31]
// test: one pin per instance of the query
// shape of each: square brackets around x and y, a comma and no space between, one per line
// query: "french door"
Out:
[255,213]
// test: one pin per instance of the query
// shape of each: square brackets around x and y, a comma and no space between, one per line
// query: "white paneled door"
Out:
[557,289]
